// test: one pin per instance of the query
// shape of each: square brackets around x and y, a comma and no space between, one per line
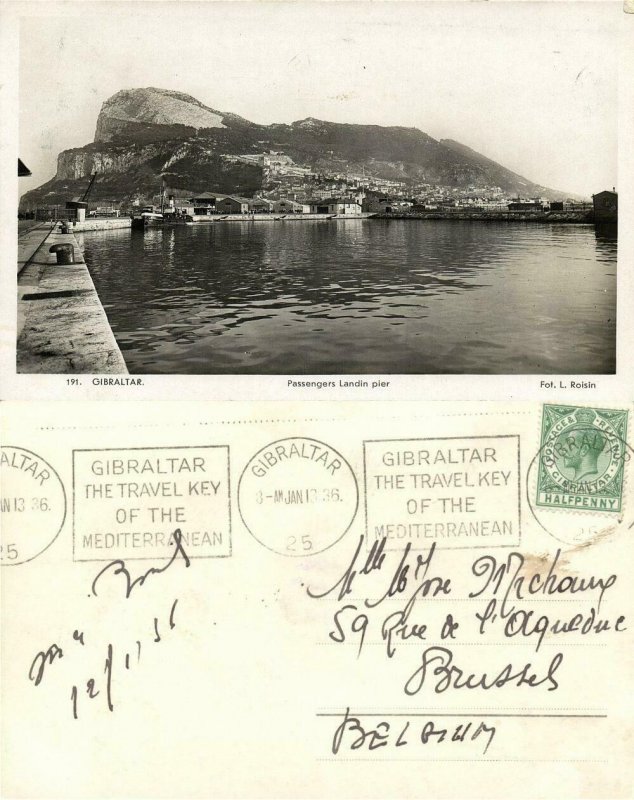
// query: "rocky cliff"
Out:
[146,135]
[153,107]
[83,161]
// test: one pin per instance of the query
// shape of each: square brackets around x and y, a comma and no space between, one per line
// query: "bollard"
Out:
[66,227]
[65,253]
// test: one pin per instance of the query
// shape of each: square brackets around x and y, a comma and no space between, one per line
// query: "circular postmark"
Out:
[33,505]
[298,496]
[576,483]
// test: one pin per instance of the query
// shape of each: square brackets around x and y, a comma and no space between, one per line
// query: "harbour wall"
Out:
[579,217]
[111,223]
[62,326]
[575,217]
[271,217]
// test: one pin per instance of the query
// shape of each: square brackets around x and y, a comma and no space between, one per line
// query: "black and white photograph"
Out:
[319,189]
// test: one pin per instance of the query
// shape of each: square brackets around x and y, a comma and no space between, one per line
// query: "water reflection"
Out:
[360,296]
[606,241]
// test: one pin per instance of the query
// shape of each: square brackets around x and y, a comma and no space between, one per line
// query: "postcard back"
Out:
[308,600]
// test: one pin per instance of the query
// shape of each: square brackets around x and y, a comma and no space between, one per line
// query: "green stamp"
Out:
[582,458]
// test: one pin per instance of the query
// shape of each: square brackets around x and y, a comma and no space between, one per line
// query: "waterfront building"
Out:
[376,203]
[201,205]
[577,205]
[520,205]
[76,210]
[260,205]
[334,205]
[286,206]
[606,206]
[205,199]
[232,205]
[106,209]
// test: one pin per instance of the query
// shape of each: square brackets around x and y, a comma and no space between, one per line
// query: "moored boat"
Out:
[147,218]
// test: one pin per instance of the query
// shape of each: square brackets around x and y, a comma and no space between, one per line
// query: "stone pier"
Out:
[62,326]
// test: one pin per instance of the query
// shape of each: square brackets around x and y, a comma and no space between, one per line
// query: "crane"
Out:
[87,192]
[77,208]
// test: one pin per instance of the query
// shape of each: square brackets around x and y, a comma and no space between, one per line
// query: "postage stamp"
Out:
[128,502]
[583,453]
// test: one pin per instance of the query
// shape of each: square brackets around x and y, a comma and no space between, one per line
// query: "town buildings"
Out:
[346,190]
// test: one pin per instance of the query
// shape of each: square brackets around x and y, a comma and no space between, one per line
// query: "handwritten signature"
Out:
[94,687]
[118,567]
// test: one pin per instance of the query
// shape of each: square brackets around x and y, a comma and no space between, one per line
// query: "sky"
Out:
[531,85]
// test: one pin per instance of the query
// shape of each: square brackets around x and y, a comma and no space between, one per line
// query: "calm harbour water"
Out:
[359,296]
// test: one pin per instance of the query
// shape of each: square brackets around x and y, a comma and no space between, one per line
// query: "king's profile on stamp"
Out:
[581,451]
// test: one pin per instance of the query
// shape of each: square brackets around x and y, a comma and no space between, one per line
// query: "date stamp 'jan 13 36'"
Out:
[583,452]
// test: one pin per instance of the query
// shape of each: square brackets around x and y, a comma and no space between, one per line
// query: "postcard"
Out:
[336,200]
[316,600]
[316,399]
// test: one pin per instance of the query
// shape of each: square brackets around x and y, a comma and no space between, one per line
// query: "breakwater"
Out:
[578,217]
[62,326]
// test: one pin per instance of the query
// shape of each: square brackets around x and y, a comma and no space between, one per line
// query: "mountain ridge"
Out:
[146,135]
